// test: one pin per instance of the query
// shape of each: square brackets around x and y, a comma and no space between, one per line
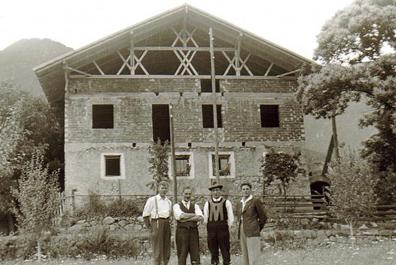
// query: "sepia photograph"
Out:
[198,132]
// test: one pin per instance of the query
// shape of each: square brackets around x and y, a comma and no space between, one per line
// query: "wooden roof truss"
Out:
[230,62]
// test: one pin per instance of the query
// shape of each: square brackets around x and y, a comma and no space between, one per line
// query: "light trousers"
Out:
[251,250]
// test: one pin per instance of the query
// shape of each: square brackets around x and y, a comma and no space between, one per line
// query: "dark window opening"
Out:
[161,128]
[269,115]
[102,116]
[113,167]
[206,85]
[320,194]
[183,166]
[208,117]
[224,165]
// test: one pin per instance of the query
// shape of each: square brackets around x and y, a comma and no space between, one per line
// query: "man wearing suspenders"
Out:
[187,215]
[219,217]
[156,214]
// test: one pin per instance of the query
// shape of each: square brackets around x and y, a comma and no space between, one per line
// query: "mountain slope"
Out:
[18,59]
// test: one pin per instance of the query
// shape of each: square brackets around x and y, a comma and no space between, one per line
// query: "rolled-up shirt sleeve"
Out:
[148,207]
[206,212]
[230,213]
[198,210]
[177,212]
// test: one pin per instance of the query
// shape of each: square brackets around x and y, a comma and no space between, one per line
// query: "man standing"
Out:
[219,217]
[187,215]
[156,214]
[252,218]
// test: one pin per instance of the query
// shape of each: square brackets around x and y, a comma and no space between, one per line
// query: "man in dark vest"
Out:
[252,218]
[187,215]
[219,217]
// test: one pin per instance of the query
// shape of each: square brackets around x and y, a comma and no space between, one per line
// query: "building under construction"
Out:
[120,92]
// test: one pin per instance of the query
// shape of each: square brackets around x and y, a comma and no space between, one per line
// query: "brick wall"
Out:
[132,111]
[133,99]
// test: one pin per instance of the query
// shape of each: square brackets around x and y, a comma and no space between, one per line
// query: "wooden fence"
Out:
[291,206]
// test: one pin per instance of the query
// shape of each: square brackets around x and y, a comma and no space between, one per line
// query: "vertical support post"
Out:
[119,190]
[334,128]
[238,55]
[73,195]
[132,55]
[66,75]
[173,156]
[214,95]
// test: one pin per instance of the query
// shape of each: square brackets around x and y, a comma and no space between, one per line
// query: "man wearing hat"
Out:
[156,214]
[251,219]
[219,217]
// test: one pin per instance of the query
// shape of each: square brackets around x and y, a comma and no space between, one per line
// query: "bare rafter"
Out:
[97,67]
[289,73]
[185,48]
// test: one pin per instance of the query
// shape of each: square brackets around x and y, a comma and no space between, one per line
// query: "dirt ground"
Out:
[382,252]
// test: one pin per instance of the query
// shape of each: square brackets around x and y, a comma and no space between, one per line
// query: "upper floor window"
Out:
[102,116]
[269,116]
[208,117]
[206,85]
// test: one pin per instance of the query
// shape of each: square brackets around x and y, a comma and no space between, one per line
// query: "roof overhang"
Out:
[52,74]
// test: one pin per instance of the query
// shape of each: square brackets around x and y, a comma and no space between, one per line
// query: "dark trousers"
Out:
[219,237]
[161,240]
[187,241]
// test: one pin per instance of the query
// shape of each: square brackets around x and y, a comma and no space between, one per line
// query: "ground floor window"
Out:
[184,165]
[226,164]
[112,166]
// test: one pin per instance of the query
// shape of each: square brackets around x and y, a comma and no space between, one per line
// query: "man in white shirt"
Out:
[156,214]
[187,215]
[219,217]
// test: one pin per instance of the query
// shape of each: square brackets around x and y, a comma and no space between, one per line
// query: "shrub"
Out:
[88,246]
[96,242]
[97,208]
[36,199]
[352,190]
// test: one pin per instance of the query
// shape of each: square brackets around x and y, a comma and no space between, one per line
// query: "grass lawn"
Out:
[378,253]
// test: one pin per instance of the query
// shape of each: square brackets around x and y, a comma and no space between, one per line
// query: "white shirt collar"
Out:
[248,199]
[218,199]
[160,198]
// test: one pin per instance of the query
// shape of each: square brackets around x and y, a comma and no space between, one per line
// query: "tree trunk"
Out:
[38,250]
[351,235]
[11,225]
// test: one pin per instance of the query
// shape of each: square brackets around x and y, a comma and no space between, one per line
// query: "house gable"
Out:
[172,45]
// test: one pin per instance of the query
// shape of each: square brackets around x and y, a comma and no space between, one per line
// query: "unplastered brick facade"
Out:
[117,93]
[133,132]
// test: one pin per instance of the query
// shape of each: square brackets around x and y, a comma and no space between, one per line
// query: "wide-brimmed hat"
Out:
[215,186]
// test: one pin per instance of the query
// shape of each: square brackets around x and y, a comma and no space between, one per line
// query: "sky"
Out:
[292,24]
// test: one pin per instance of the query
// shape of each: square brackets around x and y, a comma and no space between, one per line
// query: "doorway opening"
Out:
[161,128]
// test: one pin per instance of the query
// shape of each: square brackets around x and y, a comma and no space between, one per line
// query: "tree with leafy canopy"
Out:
[279,167]
[27,124]
[36,199]
[357,50]
[10,133]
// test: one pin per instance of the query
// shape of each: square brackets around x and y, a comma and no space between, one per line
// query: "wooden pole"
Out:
[215,125]
[132,55]
[173,159]
[238,55]
[335,137]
